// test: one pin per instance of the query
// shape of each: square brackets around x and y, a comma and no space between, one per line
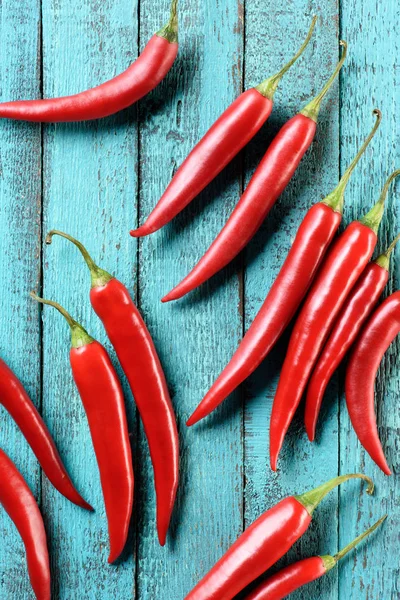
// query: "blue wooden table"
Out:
[97,180]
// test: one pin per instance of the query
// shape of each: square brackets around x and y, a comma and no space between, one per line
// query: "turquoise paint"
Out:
[97,179]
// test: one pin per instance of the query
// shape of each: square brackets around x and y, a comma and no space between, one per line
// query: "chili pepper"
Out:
[305,256]
[271,177]
[21,408]
[264,542]
[374,340]
[226,137]
[116,94]
[294,576]
[337,276]
[101,394]
[20,505]
[357,309]
[139,360]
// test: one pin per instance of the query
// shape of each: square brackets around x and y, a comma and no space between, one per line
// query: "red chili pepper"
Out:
[264,542]
[357,309]
[21,408]
[227,136]
[139,360]
[305,256]
[102,398]
[294,576]
[20,505]
[343,266]
[374,340]
[108,98]
[271,177]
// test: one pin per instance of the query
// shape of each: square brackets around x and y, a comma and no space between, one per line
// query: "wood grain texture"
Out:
[99,180]
[20,191]
[90,191]
[196,336]
[373,79]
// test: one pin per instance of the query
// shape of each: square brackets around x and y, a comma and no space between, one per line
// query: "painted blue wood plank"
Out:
[89,191]
[20,189]
[272,36]
[196,336]
[373,80]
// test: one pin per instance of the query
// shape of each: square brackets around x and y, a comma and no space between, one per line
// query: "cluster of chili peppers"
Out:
[336,283]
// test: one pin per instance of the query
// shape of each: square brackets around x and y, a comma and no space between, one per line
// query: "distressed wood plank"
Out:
[273,34]
[195,336]
[89,191]
[20,193]
[373,80]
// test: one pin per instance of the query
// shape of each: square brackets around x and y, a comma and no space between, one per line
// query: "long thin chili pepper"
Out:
[296,275]
[300,573]
[102,398]
[271,177]
[264,542]
[20,505]
[343,266]
[116,94]
[225,138]
[21,408]
[139,360]
[374,340]
[357,309]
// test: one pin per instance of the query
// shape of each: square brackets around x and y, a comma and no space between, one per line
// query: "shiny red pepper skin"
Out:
[271,177]
[21,506]
[21,408]
[139,360]
[257,549]
[312,240]
[358,307]
[237,125]
[340,271]
[106,99]
[103,401]
[227,136]
[374,340]
[290,579]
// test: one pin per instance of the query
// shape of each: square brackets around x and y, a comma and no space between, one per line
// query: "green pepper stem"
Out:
[170,30]
[331,561]
[269,86]
[311,499]
[336,198]
[79,335]
[374,217]
[98,276]
[384,259]
[312,109]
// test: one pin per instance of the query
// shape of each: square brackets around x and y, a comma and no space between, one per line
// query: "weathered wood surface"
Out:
[96,180]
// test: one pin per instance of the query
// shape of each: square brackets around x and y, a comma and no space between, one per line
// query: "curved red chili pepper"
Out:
[271,177]
[21,408]
[102,398]
[312,241]
[21,507]
[108,98]
[357,309]
[374,340]
[264,542]
[139,360]
[339,273]
[300,573]
[226,137]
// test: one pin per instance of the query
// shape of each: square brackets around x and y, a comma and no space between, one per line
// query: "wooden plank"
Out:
[373,80]
[89,191]
[273,34]
[20,192]
[195,336]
